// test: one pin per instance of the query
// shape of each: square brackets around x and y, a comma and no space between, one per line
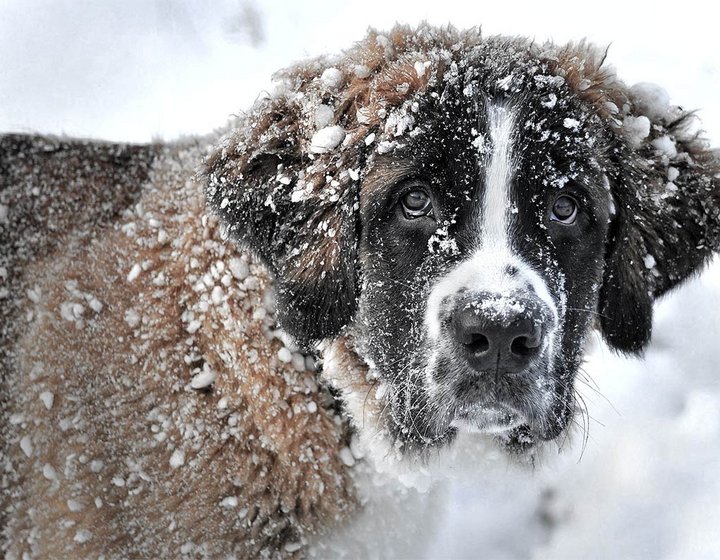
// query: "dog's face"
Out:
[459,212]
[481,254]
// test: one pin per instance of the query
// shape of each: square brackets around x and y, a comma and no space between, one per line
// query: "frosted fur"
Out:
[152,406]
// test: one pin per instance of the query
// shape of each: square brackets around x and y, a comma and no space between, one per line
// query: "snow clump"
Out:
[332,78]
[327,139]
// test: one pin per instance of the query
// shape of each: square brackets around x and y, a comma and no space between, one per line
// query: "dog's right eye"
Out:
[416,204]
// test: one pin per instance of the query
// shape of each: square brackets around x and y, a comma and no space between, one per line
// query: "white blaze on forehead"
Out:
[487,270]
[498,179]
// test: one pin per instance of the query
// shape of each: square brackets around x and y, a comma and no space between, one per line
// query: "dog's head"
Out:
[451,214]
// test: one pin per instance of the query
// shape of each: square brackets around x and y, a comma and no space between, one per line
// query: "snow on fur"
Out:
[154,408]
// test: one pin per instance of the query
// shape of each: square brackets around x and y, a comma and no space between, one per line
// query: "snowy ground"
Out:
[646,486]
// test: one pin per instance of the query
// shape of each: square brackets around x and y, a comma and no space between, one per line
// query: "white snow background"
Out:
[647,484]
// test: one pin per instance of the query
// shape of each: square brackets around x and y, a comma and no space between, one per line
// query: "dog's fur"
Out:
[151,407]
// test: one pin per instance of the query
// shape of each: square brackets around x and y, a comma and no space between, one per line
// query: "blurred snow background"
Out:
[646,485]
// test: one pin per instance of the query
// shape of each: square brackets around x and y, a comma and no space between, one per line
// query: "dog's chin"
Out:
[489,418]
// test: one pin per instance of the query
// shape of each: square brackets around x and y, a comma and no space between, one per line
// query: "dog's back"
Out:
[147,408]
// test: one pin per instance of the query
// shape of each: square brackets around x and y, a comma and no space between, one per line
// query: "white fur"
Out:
[485,270]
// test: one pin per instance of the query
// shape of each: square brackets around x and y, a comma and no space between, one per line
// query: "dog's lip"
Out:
[491,417]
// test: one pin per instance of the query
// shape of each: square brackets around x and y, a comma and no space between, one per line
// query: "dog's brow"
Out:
[383,176]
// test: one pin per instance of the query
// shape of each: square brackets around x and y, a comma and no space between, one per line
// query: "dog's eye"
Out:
[564,210]
[416,204]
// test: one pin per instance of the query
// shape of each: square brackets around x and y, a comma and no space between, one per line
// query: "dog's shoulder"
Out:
[146,374]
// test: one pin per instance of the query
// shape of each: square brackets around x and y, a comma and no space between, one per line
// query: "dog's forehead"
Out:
[554,137]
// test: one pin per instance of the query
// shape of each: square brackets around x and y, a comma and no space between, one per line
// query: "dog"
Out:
[205,343]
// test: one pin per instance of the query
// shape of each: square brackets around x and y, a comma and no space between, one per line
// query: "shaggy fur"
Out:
[151,407]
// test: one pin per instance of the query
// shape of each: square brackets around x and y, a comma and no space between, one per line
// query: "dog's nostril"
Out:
[478,343]
[525,345]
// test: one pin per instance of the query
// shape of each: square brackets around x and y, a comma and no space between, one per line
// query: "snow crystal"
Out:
[217,295]
[134,272]
[132,318]
[421,68]
[550,101]
[3,213]
[284,355]
[298,361]
[26,446]
[310,363]
[204,379]
[386,146]
[572,124]
[95,304]
[672,173]
[177,459]
[361,71]
[666,146]
[96,466]
[332,78]
[34,294]
[649,261]
[327,139]
[293,546]
[74,506]
[312,407]
[47,398]
[193,326]
[346,457]
[239,268]
[370,138]
[82,536]
[651,100]
[49,472]
[399,123]
[323,116]
[297,195]
[636,129]
[71,311]
[229,502]
[479,143]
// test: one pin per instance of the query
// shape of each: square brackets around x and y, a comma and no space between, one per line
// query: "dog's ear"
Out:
[666,191]
[289,193]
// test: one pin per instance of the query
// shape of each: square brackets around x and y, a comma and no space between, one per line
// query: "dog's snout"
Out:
[498,333]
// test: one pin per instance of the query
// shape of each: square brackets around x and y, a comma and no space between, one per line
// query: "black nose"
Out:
[498,334]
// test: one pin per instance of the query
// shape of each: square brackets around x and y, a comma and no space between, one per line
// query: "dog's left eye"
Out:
[564,210]
[416,203]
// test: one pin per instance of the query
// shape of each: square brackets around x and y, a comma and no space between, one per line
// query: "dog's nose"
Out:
[498,334]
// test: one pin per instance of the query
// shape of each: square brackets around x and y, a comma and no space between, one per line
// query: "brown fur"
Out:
[119,383]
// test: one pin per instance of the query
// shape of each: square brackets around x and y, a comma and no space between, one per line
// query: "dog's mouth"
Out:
[488,418]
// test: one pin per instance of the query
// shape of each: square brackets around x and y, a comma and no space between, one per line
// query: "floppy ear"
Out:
[294,204]
[667,198]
